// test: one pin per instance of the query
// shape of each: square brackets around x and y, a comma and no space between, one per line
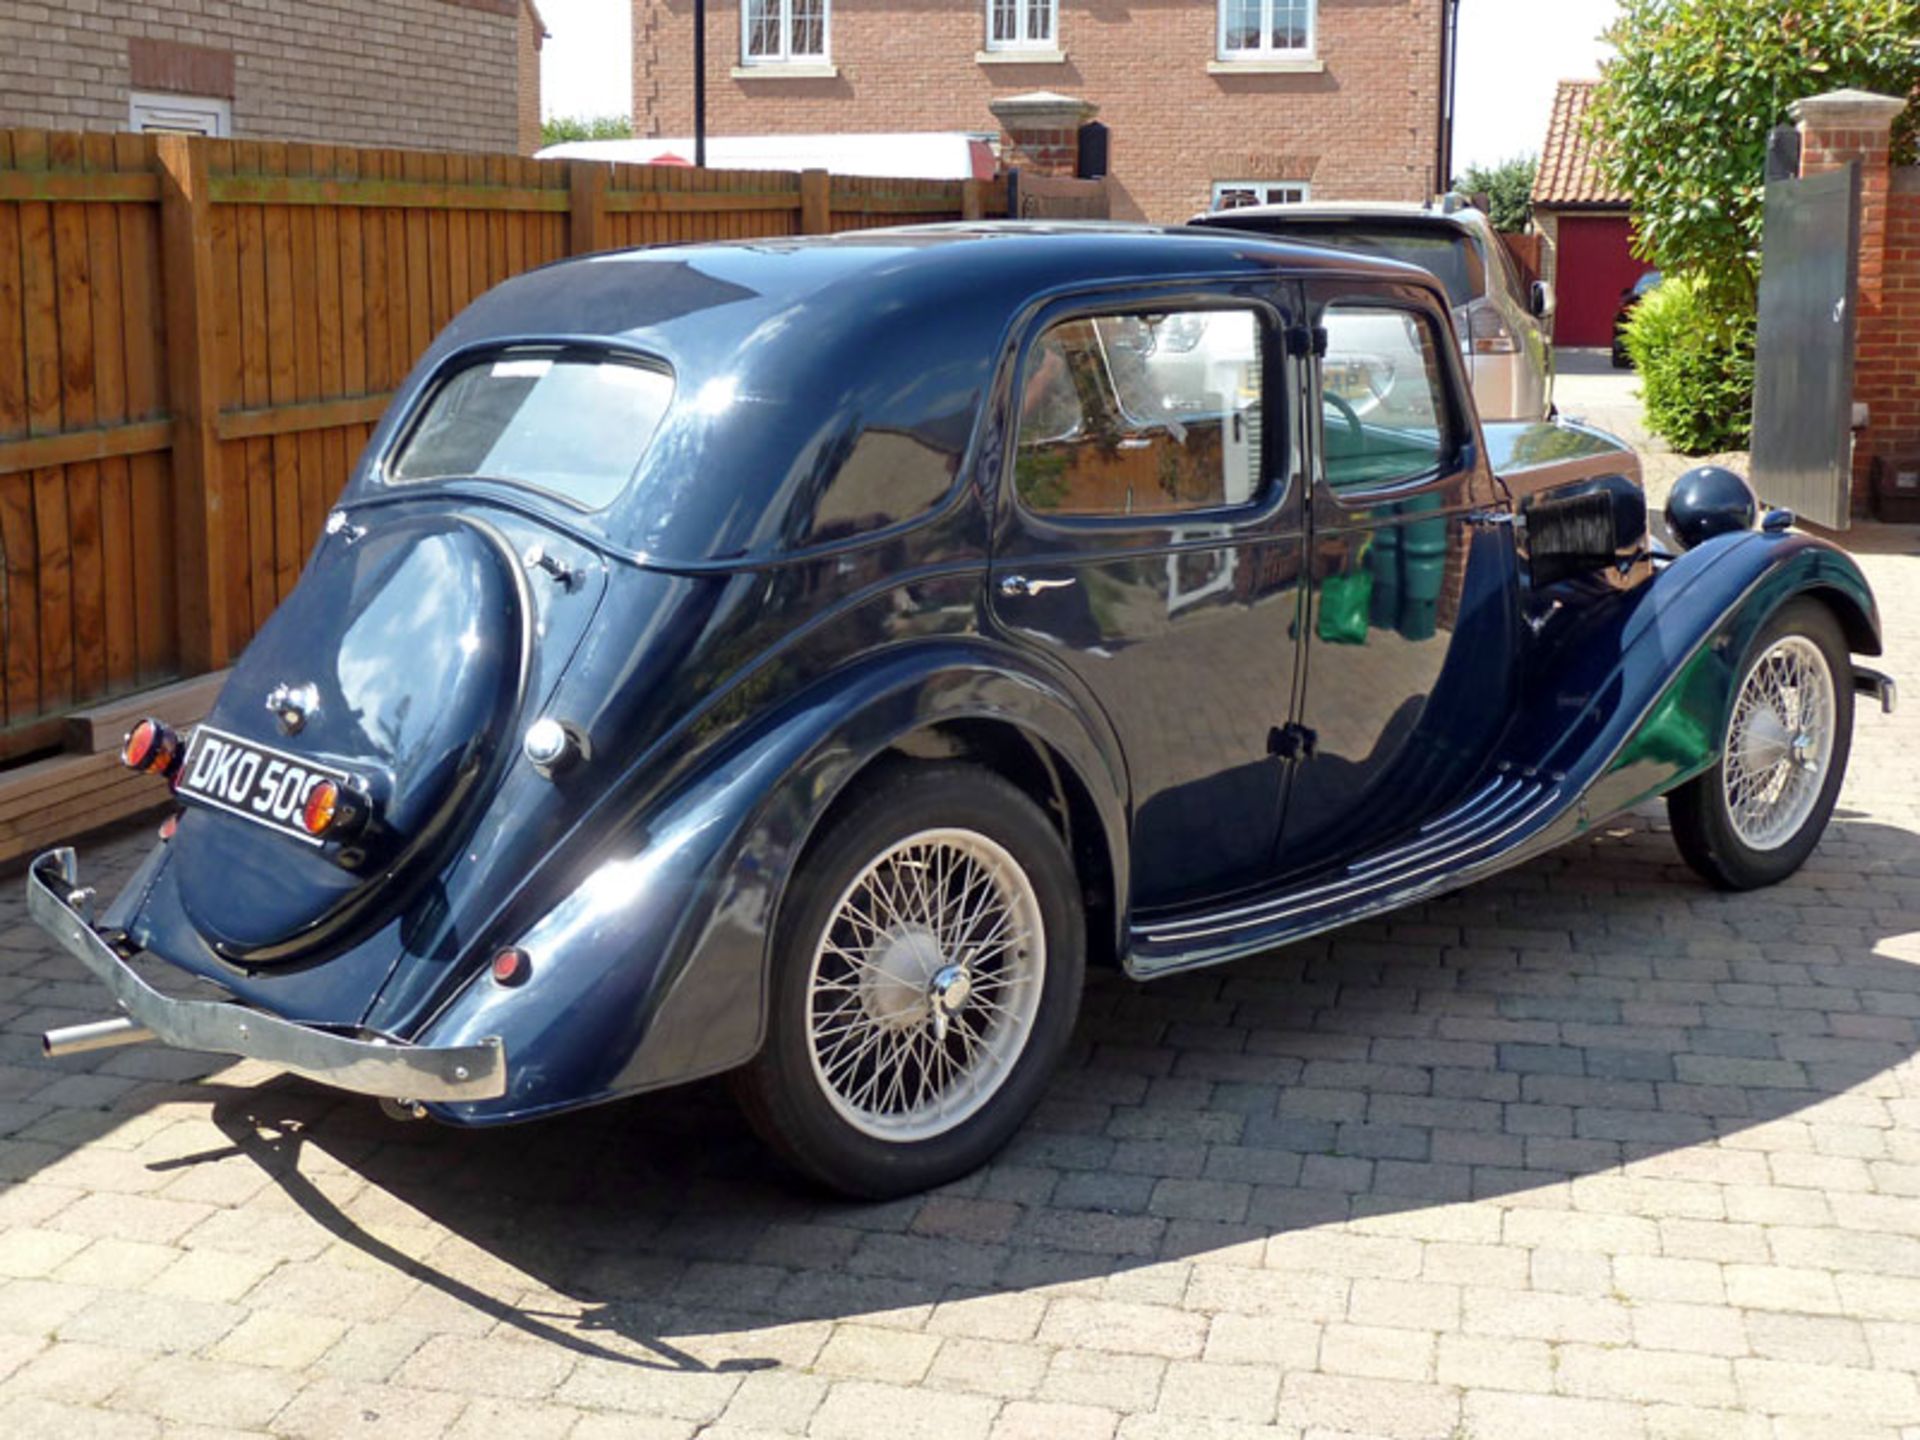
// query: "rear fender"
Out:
[654,969]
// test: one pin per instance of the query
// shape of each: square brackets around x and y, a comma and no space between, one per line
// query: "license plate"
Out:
[253,781]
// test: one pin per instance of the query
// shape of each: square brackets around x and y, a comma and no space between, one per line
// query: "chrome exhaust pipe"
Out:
[94,1035]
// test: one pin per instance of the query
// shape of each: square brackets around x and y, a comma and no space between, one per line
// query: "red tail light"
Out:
[512,967]
[152,747]
[334,811]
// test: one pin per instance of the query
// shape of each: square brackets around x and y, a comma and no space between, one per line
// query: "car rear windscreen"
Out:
[1448,255]
[574,426]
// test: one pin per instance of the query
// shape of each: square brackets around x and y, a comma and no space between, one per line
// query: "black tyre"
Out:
[1753,819]
[927,971]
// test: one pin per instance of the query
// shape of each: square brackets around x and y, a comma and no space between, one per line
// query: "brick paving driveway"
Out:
[1587,1150]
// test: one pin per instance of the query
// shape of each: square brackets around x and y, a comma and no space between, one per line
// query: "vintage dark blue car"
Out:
[802,659]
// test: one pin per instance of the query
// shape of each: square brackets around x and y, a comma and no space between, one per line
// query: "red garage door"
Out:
[1594,266]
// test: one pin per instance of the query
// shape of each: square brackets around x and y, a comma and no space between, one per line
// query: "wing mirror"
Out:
[1541,300]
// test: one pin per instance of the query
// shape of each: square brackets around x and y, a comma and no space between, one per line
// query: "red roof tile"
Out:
[1567,173]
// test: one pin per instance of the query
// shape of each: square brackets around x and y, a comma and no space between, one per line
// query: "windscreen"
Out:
[1442,251]
[574,426]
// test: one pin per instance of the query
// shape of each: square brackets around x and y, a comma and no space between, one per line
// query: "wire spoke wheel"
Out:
[925,985]
[1779,743]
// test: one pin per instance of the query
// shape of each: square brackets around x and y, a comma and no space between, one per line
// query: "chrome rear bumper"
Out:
[1868,681]
[388,1069]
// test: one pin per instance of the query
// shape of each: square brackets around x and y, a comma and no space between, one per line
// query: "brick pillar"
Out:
[1857,125]
[1040,132]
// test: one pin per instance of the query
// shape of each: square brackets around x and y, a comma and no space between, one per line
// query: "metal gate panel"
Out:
[1803,369]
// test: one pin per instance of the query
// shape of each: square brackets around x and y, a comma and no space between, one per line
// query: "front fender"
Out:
[654,969]
[1655,716]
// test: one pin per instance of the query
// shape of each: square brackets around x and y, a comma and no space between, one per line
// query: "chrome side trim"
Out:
[369,1067]
[1430,866]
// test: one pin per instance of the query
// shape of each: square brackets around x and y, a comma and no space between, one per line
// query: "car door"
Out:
[1410,630]
[1149,545]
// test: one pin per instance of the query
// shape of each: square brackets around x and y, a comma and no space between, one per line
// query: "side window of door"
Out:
[1383,398]
[1143,414]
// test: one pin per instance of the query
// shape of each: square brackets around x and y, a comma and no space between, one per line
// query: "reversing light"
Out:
[332,810]
[153,748]
[512,966]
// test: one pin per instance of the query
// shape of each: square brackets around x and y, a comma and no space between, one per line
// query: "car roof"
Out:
[784,351]
[1463,217]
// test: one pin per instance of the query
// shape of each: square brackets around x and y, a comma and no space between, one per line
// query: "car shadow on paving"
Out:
[1577,1028]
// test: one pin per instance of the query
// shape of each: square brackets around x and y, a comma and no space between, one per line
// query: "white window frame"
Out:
[1024,41]
[1289,192]
[150,113]
[1266,50]
[786,55]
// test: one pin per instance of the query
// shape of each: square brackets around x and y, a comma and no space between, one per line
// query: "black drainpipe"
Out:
[1449,76]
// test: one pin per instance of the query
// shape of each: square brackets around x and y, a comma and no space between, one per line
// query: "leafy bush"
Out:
[1695,360]
[1508,187]
[558,128]
[1681,117]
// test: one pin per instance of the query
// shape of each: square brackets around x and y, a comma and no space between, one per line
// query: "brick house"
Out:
[1586,230]
[432,74]
[1206,101]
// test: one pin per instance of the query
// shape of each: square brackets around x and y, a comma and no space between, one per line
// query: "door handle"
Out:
[1014,586]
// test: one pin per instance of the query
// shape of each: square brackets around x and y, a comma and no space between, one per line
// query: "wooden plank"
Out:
[88,791]
[816,202]
[22,598]
[77,187]
[99,729]
[151,516]
[293,419]
[251,484]
[82,652]
[310,498]
[588,230]
[412,193]
[13,376]
[353,291]
[186,232]
[75,447]
[420,290]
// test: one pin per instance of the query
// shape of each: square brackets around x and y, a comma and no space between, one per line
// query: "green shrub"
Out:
[556,129]
[1696,368]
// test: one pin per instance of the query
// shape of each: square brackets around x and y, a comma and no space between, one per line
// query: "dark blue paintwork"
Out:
[803,580]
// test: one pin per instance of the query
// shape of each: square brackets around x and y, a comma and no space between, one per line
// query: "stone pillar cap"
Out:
[1848,110]
[1043,110]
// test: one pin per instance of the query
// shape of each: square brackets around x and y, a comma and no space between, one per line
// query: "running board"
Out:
[1497,818]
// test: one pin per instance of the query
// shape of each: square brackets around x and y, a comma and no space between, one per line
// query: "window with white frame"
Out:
[784,32]
[1238,194]
[1266,29]
[1023,24]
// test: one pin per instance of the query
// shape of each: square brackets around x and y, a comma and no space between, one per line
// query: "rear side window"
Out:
[1142,414]
[1446,252]
[573,426]
[1383,398]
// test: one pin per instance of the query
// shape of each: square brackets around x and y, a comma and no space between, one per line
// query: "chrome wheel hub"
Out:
[925,985]
[1779,743]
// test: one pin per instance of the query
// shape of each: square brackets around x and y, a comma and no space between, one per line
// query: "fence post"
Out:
[816,202]
[971,205]
[186,280]
[587,229]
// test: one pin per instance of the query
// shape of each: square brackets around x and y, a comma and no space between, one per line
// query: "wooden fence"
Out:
[196,337]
